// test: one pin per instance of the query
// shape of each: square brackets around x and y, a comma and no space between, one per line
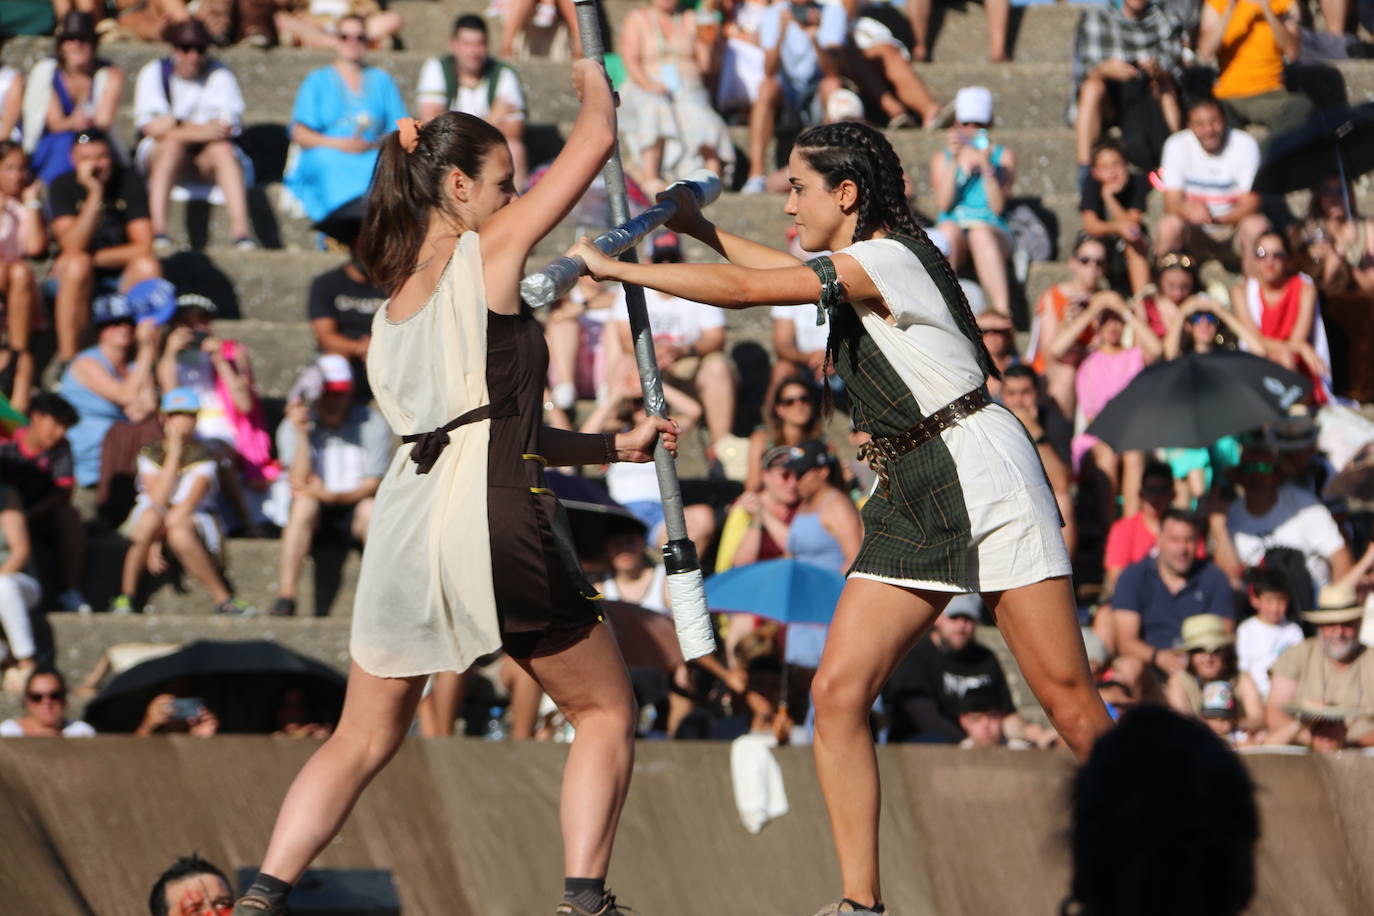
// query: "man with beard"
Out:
[1330,672]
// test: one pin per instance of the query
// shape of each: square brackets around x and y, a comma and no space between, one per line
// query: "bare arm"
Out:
[1223,548]
[632,52]
[1240,314]
[1282,692]
[1175,201]
[107,108]
[327,335]
[309,138]
[1145,337]
[1211,29]
[74,233]
[161,486]
[1066,334]
[515,229]
[1248,203]
[140,245]
[16,538]
[12,107]
[124,392]
[1285,29]
[997,180]
[1128,641]
[712,340]
[736,249]
[33,231]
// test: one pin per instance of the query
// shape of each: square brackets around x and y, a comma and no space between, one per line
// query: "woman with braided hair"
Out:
[962,503]
[468,550]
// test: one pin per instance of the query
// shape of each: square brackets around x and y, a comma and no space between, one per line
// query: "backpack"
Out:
[491,72]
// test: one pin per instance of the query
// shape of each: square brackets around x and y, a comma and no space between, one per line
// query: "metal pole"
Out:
[686,590]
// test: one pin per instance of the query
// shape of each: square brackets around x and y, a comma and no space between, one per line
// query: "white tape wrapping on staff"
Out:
[687,595]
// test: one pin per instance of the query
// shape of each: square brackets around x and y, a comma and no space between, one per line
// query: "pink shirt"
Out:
[1102,376]
[11,245]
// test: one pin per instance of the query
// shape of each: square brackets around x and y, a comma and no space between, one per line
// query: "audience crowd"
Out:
[1228,581]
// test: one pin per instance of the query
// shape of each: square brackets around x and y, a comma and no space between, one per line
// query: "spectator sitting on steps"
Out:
[188,109]
[23,235]
[336,452]
[104,236]
[177,484]
[45,710]
[469,79]
[1252,40]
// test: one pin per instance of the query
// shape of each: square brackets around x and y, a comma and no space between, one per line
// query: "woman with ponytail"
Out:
[961,503]
[468,551]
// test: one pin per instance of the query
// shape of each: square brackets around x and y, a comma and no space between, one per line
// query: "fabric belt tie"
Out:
[880,451]
[429,446]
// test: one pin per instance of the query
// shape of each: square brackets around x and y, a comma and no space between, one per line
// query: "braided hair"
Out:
[850,150]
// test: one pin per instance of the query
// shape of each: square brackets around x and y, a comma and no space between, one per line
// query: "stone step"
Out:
[251,567]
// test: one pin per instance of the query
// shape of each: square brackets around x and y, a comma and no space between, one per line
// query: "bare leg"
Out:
[762,119]
[1169,234]
[919,11]
[1132,469]
[1087,125]
[907,86]
[21,299]
[525,696]
[296,537]
[990,249]
[589,683]
[1137,265]
[75,279]
[715,384]
[185,542]
[958,243]
[875,625]
[166,163]
[138,270]
[999,16]
[362,518]
[147,529]
[1335,13]
[1041,628]
[218,161]
[439,711]
[518,13]
[376,716]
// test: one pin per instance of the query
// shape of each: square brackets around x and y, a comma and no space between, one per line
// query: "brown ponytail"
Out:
[407,187]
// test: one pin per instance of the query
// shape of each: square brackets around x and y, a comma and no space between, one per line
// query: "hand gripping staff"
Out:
[686,592]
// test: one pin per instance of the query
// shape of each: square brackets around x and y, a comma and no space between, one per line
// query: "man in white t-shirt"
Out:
[469,80]
[1280,515]
[335,465]
[689,341]
[1206,171]
[188,109]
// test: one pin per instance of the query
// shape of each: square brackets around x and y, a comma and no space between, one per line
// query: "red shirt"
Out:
[1130,540]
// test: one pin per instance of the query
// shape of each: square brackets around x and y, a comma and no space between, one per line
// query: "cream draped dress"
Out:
[425,600]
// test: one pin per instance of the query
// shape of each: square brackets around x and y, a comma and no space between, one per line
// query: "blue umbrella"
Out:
[788,591]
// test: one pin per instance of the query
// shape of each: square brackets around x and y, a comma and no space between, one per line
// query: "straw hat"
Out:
[1335,604]
[1206,632]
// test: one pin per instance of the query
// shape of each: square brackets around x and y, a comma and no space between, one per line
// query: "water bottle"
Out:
[496,725]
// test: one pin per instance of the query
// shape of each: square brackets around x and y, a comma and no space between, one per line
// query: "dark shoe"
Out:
[608,908]
[283,607]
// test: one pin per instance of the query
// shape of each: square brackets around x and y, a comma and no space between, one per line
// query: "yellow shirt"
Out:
[1249,56]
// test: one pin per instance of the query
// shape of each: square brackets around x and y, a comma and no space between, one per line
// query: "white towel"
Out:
[759,792]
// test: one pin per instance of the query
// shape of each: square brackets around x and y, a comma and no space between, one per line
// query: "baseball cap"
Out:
[196,301]
[110,308]
[1218,700]
[968,605]
[336,372]
[155,299]
[813,453]
[666,246]
[181,400]
[973,105]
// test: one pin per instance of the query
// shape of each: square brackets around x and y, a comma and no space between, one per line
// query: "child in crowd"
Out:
[176,488]
[38,463]
[1113,207]
[1264,637]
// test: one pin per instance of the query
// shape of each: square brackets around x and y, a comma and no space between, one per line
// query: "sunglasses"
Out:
[352,36]
[1085,261]
[788,402]
[1257,467]
[1275,254]
[1197,317]
[56,696]
[188,49]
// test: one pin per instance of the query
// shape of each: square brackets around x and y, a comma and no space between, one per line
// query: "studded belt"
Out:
[880,450]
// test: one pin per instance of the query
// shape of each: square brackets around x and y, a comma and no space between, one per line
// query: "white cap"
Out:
[337,373]
[843,105]
[973,105]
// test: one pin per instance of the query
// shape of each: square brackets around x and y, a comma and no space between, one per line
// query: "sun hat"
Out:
[1335,604]
[1205,632]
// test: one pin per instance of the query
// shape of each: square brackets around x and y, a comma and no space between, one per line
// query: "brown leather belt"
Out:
[879,450]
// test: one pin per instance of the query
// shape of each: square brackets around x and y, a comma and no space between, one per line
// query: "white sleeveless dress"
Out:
[425,601]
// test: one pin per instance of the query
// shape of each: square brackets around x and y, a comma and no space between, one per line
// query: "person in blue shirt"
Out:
[342,113]
[1154,597]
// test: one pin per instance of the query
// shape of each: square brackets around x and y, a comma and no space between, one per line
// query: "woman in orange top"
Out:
[1061,303]
[1250,40]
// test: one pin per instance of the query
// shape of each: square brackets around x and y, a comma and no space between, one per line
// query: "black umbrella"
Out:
[241,682]
[1193,401]
[1337,141]
[345,222]
[592,514]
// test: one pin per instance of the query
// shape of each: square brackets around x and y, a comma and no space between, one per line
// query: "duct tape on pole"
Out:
[686,590]
[556,279]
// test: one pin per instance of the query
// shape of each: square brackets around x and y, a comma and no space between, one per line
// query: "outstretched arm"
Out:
[730,286]
[736,249]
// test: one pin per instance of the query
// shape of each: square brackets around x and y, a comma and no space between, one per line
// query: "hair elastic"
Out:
[409,131]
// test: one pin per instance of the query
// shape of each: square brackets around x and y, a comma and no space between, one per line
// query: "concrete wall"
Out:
[470,828]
